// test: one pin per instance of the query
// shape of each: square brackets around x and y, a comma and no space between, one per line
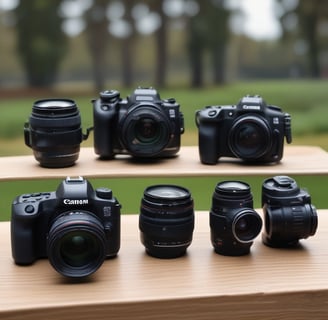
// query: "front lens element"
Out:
[78,248]
[250,138]
[146,131]
[246,226]
[76,244]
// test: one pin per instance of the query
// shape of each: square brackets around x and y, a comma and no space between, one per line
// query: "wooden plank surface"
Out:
[305,160]
[269,283]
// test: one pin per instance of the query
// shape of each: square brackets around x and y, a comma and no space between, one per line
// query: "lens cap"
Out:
[280,186]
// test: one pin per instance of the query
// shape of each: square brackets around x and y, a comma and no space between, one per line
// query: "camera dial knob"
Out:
[109,95]
[29,209]
[104,193]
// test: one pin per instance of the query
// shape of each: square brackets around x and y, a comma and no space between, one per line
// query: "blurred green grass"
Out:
[305,100]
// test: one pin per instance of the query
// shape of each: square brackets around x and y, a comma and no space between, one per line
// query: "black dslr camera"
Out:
[251,130]
[74,226]
[142,125]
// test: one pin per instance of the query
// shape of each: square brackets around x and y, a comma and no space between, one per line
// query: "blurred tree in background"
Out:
[209,29]
[41,41]
[97,38]
[307,22]
[184,41]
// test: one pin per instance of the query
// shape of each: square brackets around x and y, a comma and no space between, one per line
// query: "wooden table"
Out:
[268,283]
[305,160]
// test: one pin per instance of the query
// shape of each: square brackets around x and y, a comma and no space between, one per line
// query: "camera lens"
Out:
[166,220]
[145,131]
[234,224]
[76,244]
[54,132]
[250,138]
[288,213]
[246,226]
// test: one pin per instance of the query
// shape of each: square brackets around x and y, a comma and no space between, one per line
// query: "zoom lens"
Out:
[288,213]
[145,131]
[76,244]
[250,138]
[54,132]
[166,220]
[233,222]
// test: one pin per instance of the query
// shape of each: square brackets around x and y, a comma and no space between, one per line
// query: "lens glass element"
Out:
[250,138]
[76,244]
[79,248]
[146,131]
[246,226]
[167,192]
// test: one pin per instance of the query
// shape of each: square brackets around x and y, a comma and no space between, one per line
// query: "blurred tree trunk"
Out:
[218,37]
[208,30]
[128,47]
[161,45]
[196,44]
[97,36]
[310,15]
[41,42]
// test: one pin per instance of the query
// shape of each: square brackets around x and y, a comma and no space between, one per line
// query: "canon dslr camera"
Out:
[251,130]
[142,125]
[74,226]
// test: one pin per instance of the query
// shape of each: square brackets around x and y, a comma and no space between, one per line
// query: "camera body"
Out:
[142,125]
[42,222]
[288,212]
[251,130]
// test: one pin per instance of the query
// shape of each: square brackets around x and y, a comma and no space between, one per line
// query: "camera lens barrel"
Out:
[54,132]
[233,221]
[288,213]
[166,220]
[76,244]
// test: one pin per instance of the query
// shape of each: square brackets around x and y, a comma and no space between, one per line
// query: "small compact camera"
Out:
[251,130]
[142,125]
[288,212]
[233,221]
[76,227]
[54,132]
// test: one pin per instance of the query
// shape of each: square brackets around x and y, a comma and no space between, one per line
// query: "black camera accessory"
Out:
[288,213]
[54,132]
[233,221]
[251,130]
[142,125]
[166,220]
[75,227]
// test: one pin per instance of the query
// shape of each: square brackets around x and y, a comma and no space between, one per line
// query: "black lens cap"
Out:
[280,186]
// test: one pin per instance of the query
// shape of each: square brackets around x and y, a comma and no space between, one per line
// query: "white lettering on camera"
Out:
[75,201]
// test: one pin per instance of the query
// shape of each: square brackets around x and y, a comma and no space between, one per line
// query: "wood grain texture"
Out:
[269,283]
[305,160]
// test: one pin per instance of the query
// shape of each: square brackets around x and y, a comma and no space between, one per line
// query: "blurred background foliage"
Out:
[201,52]
[163,43]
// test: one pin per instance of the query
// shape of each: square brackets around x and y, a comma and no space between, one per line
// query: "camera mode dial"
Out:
[104,193]
[109,95]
